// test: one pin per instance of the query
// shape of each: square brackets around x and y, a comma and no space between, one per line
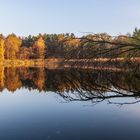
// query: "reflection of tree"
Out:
[1,78]
[39,78]
[101,86]
[74,85]
[33,78]
[12,79]
[97,97]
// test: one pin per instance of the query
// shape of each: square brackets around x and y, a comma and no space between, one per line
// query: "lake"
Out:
[70,104]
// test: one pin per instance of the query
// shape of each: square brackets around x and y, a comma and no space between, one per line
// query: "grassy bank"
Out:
[21,63]
[54,63]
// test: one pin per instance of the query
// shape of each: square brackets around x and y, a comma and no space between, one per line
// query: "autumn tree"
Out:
[39,48]
[12,45]
[1,47]
[25,53]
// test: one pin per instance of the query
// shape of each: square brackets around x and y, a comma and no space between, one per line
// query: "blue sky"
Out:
[25,17]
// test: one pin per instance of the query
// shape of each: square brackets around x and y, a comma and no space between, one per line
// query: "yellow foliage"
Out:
[39,48]
[1,48]
[73,42]
[39,43]
[61,37]
[12,44]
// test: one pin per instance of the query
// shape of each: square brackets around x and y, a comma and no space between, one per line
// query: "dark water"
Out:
[41,104]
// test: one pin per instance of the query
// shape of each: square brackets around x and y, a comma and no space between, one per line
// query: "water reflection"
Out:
[33,111]
[74,85]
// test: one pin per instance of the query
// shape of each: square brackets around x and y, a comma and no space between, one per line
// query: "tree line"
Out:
[68,45]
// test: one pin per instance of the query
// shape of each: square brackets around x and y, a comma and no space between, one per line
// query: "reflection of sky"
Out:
[33,115]
[54,16]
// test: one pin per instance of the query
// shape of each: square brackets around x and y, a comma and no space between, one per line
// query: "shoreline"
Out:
[61,63]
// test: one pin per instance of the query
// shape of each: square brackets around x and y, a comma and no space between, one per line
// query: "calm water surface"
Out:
[40,104]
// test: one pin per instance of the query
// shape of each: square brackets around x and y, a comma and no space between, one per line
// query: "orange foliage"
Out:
[12,44]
